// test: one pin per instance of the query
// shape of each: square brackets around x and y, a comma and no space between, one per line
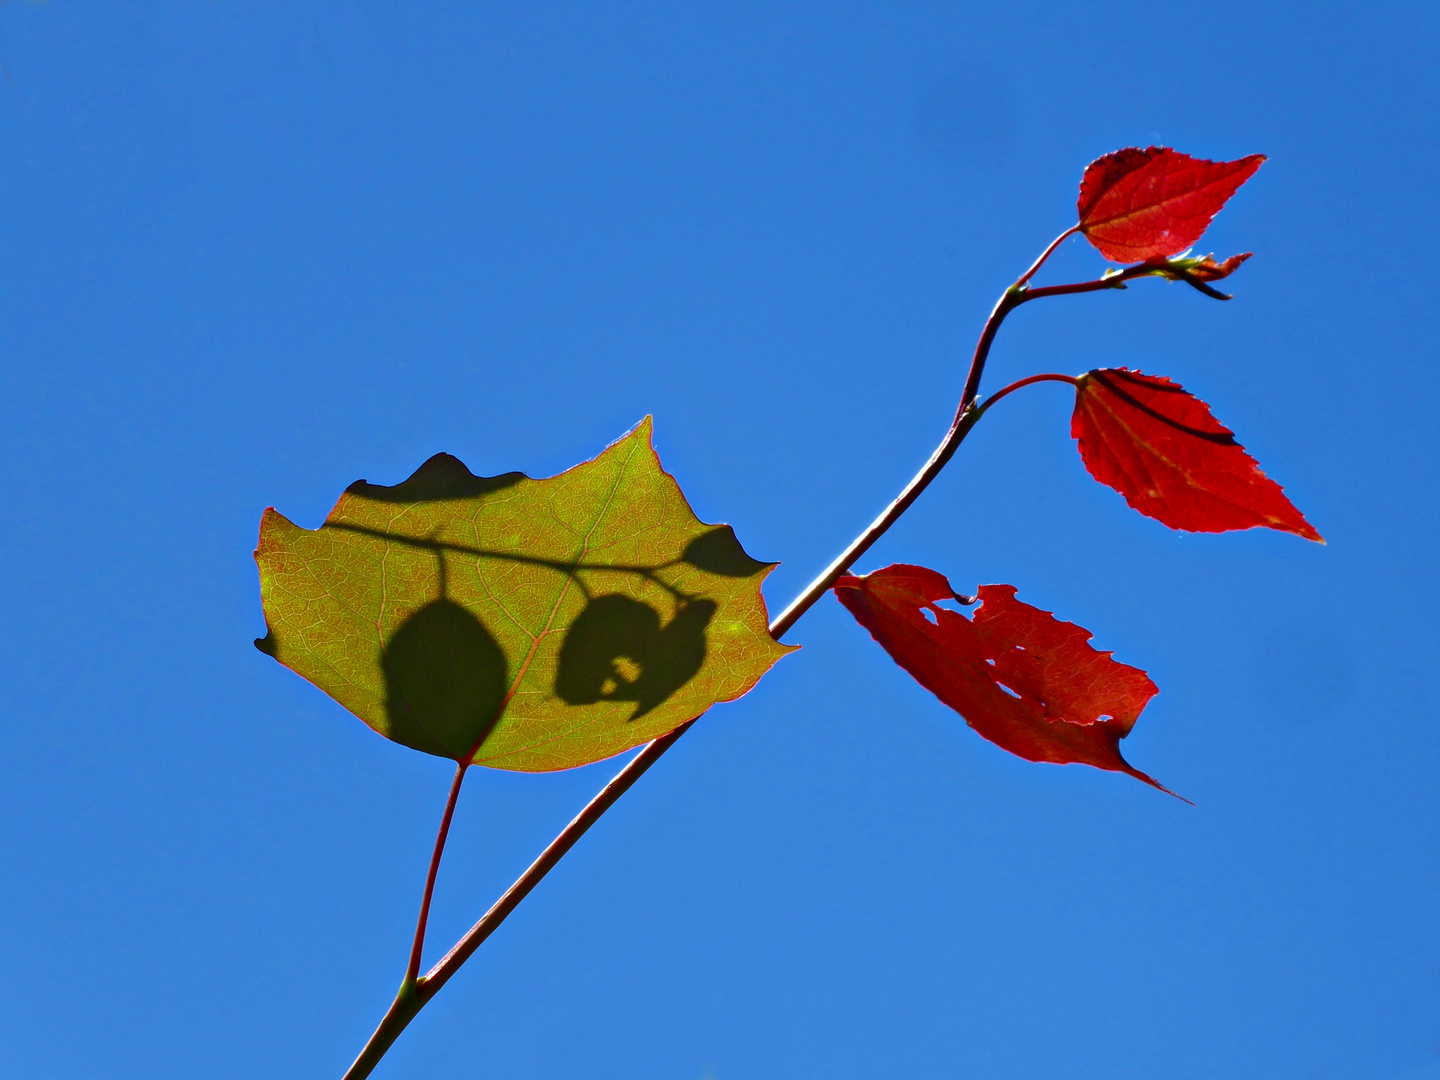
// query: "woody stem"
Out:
[415,992]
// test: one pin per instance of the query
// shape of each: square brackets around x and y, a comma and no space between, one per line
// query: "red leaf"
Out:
[1159,447]
[1023,679]
[1136,205]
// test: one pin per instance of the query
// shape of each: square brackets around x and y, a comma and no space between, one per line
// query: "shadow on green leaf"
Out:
[618,651]
[445,680]
[719,552]
[443,476]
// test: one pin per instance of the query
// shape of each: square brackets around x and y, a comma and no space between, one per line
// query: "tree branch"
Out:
[415,992]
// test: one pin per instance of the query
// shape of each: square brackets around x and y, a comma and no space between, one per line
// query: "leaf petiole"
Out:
[1019,383]
[1035,266]
[412,971]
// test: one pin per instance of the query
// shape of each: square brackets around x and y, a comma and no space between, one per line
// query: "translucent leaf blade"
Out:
[1021,678]
[518,623]
[1137,205]
[1164,451]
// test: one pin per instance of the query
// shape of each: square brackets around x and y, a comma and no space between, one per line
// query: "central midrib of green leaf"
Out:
[564,590]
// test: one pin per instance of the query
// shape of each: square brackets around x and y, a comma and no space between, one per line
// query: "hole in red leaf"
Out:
[1055,677]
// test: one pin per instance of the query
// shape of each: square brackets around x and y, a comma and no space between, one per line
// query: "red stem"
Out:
[412,972]
[1035,266]
[993,398]
[553,853]
[1114,281]
[1117,280]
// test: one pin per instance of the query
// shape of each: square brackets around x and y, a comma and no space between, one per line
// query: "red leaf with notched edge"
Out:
[1159,447]
[1023,679]
[1137,205]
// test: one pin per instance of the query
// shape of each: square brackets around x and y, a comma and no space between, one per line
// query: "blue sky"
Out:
[252,252]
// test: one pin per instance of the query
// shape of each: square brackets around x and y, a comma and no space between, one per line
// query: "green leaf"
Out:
[517,623]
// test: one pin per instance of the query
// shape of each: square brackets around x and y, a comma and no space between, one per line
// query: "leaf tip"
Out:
[1294,522]
[1175,795]
[1148,779]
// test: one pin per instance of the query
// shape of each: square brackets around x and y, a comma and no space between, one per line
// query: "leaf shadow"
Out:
[446,680]
[442,476]
[617,650]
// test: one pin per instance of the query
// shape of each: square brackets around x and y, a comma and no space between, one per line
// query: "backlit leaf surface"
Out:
[1136,205]
[1023,679]
[1172,460]
[521,624]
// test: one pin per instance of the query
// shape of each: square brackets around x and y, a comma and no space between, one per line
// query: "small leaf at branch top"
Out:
[1172,460]
[1020,677]
[517,623]
[1207,269]
[1138,205]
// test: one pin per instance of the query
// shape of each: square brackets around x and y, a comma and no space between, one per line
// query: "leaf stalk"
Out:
[412,971]
[1020,384]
